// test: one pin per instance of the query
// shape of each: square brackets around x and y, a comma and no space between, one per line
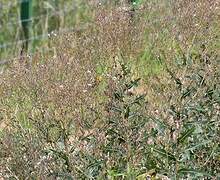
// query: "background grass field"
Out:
[47,17]
[134,94]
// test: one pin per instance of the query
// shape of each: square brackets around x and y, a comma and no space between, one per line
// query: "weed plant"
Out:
[48,17]
[135,95]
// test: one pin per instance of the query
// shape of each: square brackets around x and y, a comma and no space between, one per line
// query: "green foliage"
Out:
[117,100]
[35,20]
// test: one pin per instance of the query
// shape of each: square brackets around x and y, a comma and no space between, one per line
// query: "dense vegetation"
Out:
[134,95]
[47,16]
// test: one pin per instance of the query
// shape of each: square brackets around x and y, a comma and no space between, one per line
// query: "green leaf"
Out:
[187,92]
[53,133]
[162,124]
[185,135]
[198,145]
[118,96]
[165,154]
[61,175]
[192,171]
[127,112]
[138,99]
[116,109]
[113,173]
[133,83]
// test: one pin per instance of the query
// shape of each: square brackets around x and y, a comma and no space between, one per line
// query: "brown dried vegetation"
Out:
[128,94]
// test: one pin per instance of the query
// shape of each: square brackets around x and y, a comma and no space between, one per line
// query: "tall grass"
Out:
[48,16]
[134,95]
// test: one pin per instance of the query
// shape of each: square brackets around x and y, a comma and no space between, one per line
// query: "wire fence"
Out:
[18,22]
[40,37]
[5,45]
[50,16]
[50,20]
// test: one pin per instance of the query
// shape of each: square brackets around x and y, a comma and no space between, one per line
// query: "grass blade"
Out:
[165,154]
[192,171]
[185,135]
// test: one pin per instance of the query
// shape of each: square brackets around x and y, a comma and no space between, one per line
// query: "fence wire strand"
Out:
[13,4]
[43,36]
[17,43]
[18,22]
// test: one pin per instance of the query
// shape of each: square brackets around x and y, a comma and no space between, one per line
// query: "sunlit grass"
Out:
[127,97]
